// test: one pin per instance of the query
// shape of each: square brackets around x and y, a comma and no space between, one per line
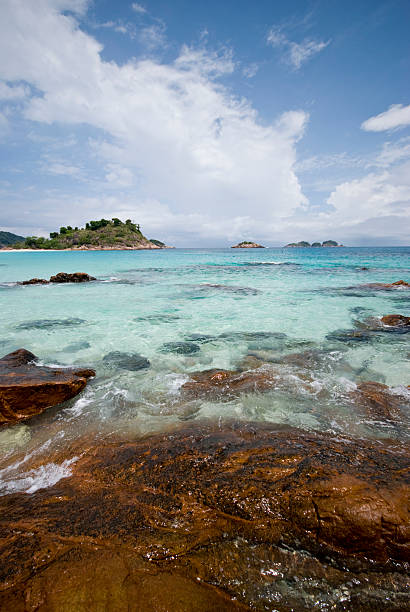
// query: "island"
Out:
[246,244]
[105,234]
[303,244]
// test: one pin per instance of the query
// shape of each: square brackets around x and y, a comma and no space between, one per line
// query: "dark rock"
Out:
[35,281]
[126,361]
[27,389]
[226,384]
[75,277]
[249,517]
[48,323]
[181,348]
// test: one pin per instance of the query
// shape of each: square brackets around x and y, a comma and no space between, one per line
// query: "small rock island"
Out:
[105,234]
[247,245]
[304,244]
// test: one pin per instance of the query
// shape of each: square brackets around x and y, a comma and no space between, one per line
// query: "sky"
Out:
[208,123]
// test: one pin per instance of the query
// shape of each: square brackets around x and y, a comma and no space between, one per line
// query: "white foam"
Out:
[40,478]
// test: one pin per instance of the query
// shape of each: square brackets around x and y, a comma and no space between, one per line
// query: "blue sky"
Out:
[207,122]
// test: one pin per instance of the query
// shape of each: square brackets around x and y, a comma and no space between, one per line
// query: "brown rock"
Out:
[35,281]
[395,285]
[396,320]
[377,400]
[75,277]
[27,389]
[216,383]
[249,517]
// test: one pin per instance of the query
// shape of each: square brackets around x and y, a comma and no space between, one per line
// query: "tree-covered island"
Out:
[105,234]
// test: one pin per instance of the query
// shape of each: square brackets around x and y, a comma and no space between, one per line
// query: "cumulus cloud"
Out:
[397,116]
[172,134]
[294,53]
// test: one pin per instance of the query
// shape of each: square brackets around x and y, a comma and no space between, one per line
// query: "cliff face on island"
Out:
[104,234]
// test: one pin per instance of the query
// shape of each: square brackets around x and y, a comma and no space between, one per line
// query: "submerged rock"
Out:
[48,323]
[126,361]
[253,516]
[27,389]
[180,348]
[225,383]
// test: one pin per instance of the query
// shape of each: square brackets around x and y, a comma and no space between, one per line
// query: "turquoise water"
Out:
[217,302]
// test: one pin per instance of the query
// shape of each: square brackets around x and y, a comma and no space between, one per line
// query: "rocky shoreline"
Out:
[245,517]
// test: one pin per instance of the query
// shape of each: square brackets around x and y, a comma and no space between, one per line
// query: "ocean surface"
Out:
[224,307]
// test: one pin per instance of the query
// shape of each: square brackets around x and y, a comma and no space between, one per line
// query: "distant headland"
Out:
[105,234]
[304,244]
[8,239]
[246,244]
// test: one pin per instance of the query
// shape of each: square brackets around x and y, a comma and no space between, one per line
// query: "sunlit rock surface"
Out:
[249,517]
[27,389]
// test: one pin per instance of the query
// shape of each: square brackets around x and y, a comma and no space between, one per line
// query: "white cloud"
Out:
[295,54]
[138,8]
[198,151]
[377,195]
[397,116]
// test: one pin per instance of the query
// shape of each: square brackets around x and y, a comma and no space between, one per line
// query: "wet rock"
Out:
[226,384]
[396,320]
[27,389]
[49,323]
[378,401]
[75,277]
[253,516]
[126,361]
[35,281]
[180,348]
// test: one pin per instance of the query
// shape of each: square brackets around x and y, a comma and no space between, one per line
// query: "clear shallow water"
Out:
[219,302]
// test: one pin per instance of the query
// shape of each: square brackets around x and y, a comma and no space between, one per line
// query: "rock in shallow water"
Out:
[257,517]
[48,323]
[126,361]
[27,389]
[226,384]
[180,348]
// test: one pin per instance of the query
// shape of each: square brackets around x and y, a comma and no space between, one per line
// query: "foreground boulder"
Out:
[27,389]
[61,277]
[247,517]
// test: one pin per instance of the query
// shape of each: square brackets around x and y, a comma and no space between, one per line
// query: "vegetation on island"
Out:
[247,244]
[304,244]
[103,234]
[7,238]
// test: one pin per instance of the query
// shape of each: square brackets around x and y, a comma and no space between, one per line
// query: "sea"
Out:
[306,315]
